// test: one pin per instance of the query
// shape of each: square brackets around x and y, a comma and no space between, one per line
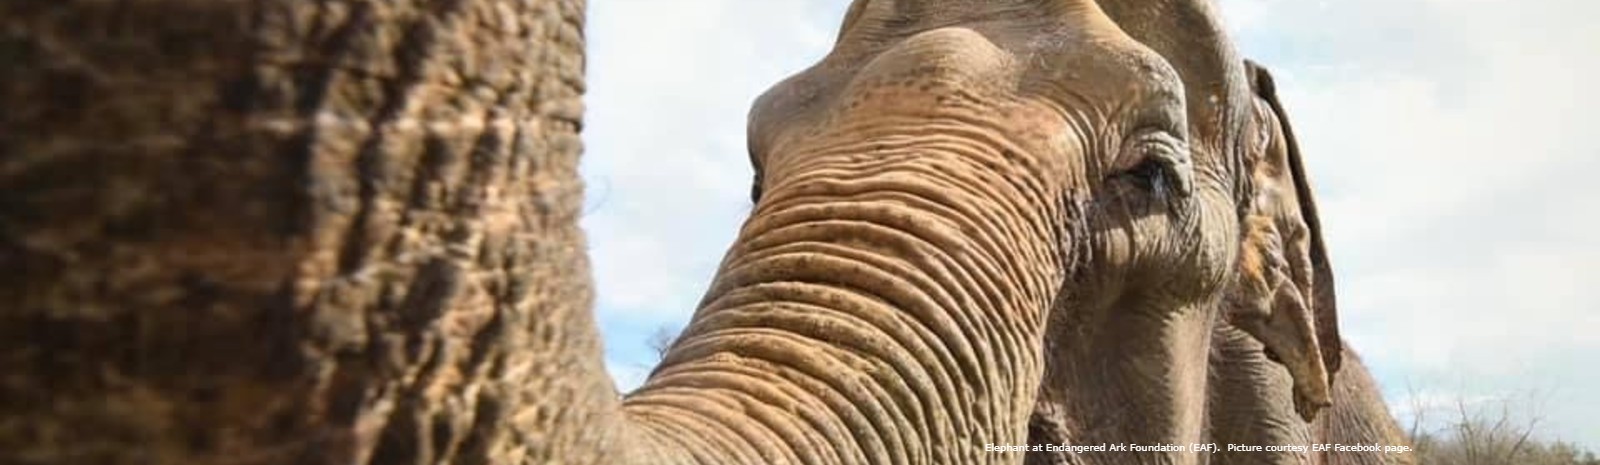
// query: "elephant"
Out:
[1254,401]
[951,180]
[1279,312]
[1077,398]
[345,232]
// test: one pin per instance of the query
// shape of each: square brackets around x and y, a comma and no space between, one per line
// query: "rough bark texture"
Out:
[285,231]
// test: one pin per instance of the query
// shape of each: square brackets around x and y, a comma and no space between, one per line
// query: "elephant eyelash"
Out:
[1148,175]
[1160,166]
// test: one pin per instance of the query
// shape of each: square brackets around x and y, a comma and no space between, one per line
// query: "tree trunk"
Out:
[286,231]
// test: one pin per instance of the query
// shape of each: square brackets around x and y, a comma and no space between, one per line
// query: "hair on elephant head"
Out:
[1284,293]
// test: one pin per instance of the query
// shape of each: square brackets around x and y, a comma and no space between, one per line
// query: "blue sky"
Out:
[1450,142]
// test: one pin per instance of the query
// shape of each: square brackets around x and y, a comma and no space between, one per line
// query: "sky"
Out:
[1449,143]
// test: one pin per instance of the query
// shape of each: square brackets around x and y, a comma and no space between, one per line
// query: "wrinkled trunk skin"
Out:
[882,348]
[284,231]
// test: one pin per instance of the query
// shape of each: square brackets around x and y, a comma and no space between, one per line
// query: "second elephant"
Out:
[1254,400]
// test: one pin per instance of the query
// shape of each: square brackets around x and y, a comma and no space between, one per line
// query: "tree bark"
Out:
[286,231]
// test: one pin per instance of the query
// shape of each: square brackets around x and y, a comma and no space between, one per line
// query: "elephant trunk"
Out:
[1252,401]
[865,314]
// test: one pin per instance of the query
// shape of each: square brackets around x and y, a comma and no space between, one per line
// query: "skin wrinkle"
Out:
[967,221]
[709,434]
[975,222]
[843,420]
[815,441]
[988,357]
[724,405]
[924,341]
[802,389]
[987,220]
[911,187]
[975,261]
[732,272]
[870,397]
[893,290]
[891,137]
[1004,333]
[843,395]
[1010,218]
[936,380]
[922,252]
[825,324]
[900,270]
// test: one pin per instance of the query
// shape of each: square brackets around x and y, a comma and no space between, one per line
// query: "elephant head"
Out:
[1284,295]
[1103,357]
[1234,118]
[925,196]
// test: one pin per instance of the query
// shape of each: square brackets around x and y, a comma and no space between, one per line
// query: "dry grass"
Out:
[1494,432]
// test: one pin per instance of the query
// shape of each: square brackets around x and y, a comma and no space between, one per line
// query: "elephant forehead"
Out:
[1074,60]
[955,56]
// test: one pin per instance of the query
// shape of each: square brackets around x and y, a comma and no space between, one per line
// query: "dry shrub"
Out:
[1490,432]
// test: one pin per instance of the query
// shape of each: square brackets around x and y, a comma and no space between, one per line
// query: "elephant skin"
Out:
[289,231]
[1359,416]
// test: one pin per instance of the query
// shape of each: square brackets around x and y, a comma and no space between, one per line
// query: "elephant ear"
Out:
[1324,307]
[1283,294]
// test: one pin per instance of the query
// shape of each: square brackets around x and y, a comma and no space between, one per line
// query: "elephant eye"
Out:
[755,189]
[1155,160]
[1147,175]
